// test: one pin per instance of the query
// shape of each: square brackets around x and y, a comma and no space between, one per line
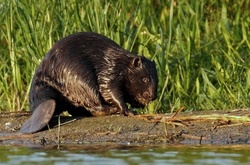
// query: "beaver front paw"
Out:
[128,112]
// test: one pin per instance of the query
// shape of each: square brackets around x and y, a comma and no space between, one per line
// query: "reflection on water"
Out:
[126,154]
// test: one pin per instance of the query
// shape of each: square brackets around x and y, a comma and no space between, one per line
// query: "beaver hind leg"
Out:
[40,117]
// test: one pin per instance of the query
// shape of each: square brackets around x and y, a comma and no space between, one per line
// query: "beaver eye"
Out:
[145,80]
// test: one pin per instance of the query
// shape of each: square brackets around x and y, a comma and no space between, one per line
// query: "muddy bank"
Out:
[204,127]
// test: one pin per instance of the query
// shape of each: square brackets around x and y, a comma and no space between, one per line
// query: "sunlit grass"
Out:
[201,48]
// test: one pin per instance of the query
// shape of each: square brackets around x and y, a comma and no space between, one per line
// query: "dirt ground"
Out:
[201,127]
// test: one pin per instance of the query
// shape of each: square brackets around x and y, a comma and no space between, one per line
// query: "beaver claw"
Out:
[128,112]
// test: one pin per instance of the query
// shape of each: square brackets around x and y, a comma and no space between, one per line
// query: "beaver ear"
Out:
[136,62]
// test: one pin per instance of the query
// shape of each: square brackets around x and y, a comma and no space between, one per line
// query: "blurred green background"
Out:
[201,48]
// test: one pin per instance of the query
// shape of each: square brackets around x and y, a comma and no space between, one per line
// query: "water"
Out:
[125,155]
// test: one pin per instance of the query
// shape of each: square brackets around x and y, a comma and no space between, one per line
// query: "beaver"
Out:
[90,74]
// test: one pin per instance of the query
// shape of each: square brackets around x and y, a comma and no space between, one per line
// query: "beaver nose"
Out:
[147,96]
[150,96]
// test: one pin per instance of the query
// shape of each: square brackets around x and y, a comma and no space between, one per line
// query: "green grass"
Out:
[201,48]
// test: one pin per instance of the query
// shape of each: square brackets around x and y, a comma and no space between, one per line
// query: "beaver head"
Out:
[142,81]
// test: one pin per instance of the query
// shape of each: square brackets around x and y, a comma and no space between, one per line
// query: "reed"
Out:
[201,47]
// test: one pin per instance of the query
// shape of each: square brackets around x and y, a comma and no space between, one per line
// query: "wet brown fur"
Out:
[90,74]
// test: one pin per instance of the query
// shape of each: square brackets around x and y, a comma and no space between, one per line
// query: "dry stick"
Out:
[58,133]
[173,120]
[150,129]
[67,122]
[236,119]
[48,127]
[200,140]
[177,112]
[157,122]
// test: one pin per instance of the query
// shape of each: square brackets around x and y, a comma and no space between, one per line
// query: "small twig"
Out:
[200,140]
[150,129]
[58,133]
[177,112]
[67,122]
[229,125]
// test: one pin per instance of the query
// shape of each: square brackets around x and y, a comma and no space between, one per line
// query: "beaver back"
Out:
[88,70]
